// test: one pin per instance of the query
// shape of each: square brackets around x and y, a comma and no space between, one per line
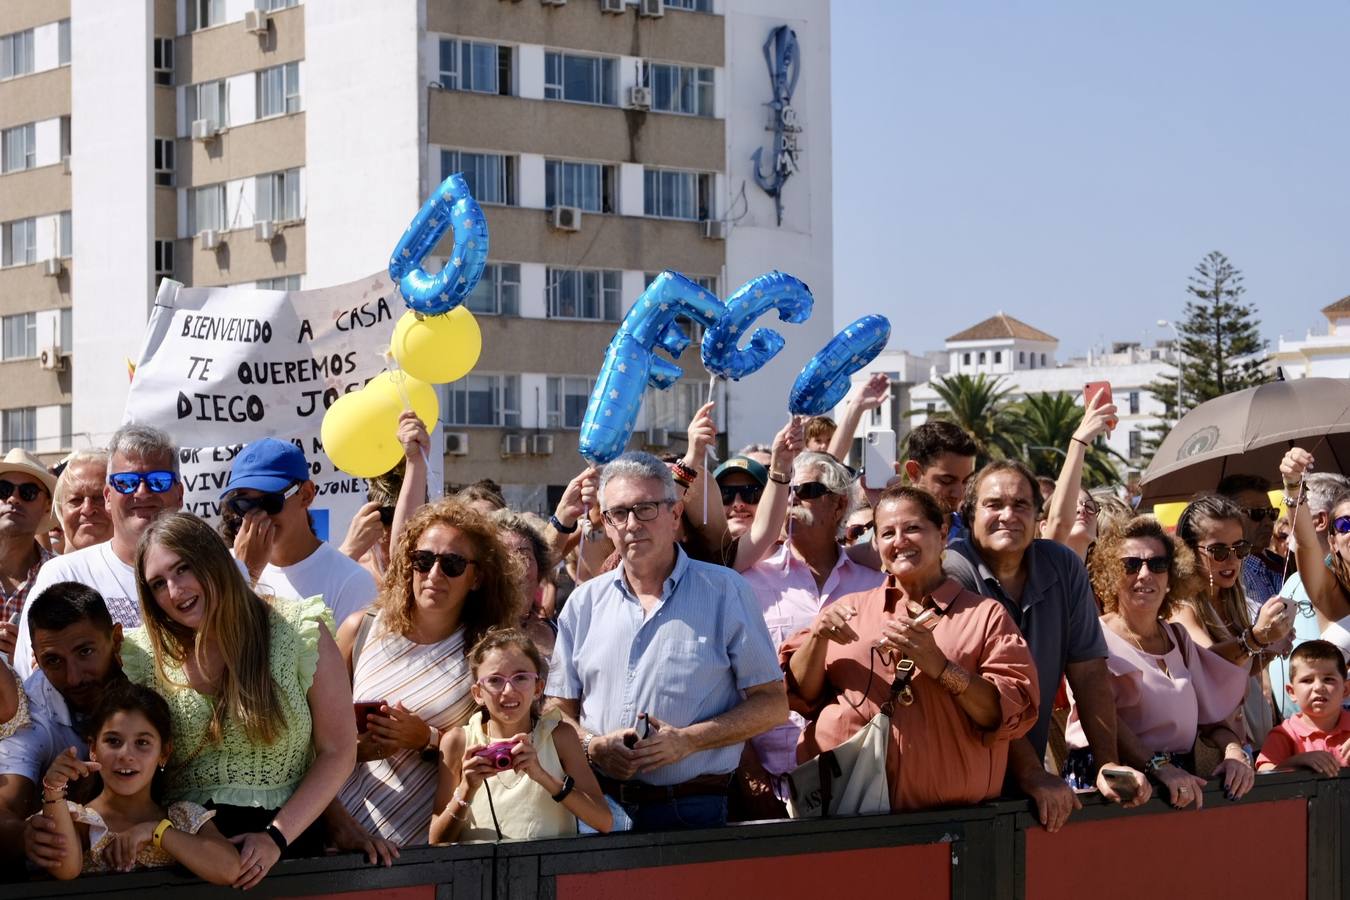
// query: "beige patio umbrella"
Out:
[1248,432]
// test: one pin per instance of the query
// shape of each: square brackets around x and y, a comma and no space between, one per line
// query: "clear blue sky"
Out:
[1071,162]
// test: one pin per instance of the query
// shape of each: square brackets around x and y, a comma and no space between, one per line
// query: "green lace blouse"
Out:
[237,771]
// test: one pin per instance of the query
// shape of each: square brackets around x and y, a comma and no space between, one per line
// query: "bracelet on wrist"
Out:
[778,477]
[277,837]
[559,527]
[1080,440]
[683,470]
[567,784]
[157,839]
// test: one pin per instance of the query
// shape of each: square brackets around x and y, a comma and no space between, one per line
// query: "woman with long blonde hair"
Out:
[261,731]
[450,579]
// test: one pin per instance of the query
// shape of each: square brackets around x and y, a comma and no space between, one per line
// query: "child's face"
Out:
[128,749]
[507,683]
[1317,687]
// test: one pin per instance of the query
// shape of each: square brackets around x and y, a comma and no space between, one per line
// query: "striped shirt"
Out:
[392,797]
[687,661]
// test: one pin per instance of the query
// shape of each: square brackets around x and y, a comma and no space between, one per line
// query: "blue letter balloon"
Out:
[431,295]
[630,366]
[775,290]
[823,381]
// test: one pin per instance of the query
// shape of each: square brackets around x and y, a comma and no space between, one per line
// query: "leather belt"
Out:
[638,792]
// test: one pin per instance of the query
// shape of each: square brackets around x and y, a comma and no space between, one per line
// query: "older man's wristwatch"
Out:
[1158,761]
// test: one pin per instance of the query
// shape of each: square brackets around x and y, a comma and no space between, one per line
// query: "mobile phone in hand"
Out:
[1093,389]
[1121,782]
[364,708]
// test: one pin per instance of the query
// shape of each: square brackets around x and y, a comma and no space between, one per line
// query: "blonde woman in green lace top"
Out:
[262,725]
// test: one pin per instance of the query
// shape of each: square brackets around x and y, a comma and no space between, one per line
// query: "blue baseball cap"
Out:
[742,464]
[268,465]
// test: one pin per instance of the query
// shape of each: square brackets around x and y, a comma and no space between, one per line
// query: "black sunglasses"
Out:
[386,516]
[750,493]
[1220,552]
[270,503]
[1156,564]
[810,490]
[452,564]
[853,532]
[1261,513]
[28,492]
[158,481]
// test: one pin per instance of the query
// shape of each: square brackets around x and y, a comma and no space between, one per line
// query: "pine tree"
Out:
[1221,346]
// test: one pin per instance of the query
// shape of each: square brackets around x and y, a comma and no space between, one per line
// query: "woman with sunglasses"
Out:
[1217,614]
[1167,688]
[450,579]
[255,688]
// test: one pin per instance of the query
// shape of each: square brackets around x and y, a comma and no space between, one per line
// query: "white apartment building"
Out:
[288,144]
[1318,355]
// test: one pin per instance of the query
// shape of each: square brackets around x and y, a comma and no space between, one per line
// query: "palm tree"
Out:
[980,405]
[1043,426]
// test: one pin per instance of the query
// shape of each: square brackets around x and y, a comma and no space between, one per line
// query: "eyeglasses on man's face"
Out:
[643,512]
[158,481]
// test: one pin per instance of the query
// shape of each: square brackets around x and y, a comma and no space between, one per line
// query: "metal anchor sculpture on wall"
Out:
[782,55]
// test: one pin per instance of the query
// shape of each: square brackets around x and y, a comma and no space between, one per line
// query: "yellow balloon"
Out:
[437,349]
[360,434]
[421,396]
[1167,514]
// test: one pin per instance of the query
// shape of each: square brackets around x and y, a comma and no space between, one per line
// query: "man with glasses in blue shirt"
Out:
[142,485]
[665,662]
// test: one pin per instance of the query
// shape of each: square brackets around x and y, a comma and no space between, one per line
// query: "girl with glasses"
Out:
[1218,615]
[450,579]
[1168,690]
[511,772]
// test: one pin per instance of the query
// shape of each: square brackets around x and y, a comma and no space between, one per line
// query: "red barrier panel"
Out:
[850,873]
[418,892]
[1177,855]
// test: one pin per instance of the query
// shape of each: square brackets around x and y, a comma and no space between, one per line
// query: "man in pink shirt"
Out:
[809,571]
[1318,737]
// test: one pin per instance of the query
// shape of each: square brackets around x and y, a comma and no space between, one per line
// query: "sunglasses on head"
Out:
[452,564]
[810,490]
[1340,523]
[750,493]
[157,481]
[1262,513]
[386,516]
[1220,552]
[1156,564]
[28,492]
[270,502]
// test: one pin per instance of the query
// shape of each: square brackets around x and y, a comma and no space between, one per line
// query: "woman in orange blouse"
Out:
[974,687]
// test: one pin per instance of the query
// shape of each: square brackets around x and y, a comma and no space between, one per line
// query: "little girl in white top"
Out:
[510,772]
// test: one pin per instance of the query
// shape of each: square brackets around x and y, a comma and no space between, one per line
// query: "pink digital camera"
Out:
[499,753]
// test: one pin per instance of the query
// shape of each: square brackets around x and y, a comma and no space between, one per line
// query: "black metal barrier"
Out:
[1286,839]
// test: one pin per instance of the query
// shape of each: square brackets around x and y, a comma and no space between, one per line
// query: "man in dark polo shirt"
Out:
[1045,588]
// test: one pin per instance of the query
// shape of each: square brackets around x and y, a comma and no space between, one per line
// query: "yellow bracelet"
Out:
[163,826]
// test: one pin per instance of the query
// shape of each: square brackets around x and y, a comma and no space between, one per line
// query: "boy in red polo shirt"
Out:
[1318,738]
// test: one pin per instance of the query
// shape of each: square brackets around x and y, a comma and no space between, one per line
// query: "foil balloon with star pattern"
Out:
[630,364]
[774,290]
[451,205]
[824,380]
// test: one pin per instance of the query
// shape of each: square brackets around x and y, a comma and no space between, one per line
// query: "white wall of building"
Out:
[112,99]
[1316,355]
[803,245]
[364,184]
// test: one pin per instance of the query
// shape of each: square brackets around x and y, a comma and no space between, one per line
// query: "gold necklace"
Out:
[1161,661]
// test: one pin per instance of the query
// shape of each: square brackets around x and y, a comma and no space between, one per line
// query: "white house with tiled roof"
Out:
[1000,345]
[1319,355]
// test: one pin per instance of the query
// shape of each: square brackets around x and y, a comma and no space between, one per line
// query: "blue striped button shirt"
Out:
[687,661]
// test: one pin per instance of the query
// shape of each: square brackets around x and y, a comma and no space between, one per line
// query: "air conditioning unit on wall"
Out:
[565,218]
[256,21]
[457,443]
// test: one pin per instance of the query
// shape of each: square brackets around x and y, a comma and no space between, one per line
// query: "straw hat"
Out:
[25,463]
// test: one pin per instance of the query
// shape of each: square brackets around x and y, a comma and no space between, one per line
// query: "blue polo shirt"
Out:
[1057,614]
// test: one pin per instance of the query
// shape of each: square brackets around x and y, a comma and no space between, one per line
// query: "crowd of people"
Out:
[672,648]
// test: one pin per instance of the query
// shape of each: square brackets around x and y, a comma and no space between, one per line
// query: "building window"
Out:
[65,136]
[206,209]
[691,5]
[18,242]
[282,283]
[998,357]
[588,186]
[965,359]
[491,177]
[204,13]
[1136,444]
[207,101]
[1033,361]
[278,197]
[673,408]
[680,89]
[63,234]
[279,90]
[20,335]
[67,427]
[63,42]
[18,148]
[483,400]
[1134,403]
[982,357]
[687,325]
[163,57]
[18,428]
[669,194]
[164,162]
[567,400]
[583,294]
[67,329]
[274,5]
[497,292]
[581,79]
[16,54]
[474,66]
[1021,357]
[163,259]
